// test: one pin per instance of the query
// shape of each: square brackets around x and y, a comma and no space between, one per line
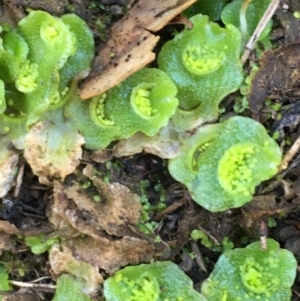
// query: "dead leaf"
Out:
[111,254]
[289,120]
[264,206]
[62,260]
[155,14]
[8,164]
[23,294]
[278,75]
[290,24]
[54,7]
[164,144]
[7,242]
[53,149]
[111,238]
[9,228]
[102,155]
[130,45]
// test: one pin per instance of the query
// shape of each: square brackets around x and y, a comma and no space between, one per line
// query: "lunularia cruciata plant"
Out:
[223,163]
[39,60]
[143,102]
[252,274]
[158,281]
[204,64]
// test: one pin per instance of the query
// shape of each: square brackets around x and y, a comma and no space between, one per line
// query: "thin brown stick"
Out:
[199,257]
[32,285]
[19,180]
[290,155]
[41,279]
[168,210]
[260,27]
[216,242]
[263,231]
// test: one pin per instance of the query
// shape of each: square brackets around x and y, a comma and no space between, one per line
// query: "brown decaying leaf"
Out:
[130,45]
[111,238]
[54,7]
[21,295]
[7,242]
[264,206]
[62,261]
[8,164]
[289,23]
[164,144]
[9,228]
[50,153]
[279,74]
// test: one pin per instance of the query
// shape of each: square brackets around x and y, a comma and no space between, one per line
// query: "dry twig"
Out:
[289,155]
[199,257]
[33,285]
[260,27]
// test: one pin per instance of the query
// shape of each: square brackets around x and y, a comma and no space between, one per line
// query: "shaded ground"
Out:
[274,212]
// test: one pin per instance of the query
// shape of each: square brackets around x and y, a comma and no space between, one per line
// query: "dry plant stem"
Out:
[216,242]
[289,155]
[41,279]
[263,231]
[32,285]
[168,210]
[296,293]
[260,27]
[199,258]
[19,180]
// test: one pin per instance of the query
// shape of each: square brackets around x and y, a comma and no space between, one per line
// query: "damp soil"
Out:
[273,213]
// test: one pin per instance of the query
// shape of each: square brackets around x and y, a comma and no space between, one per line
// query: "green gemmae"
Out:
[201,60]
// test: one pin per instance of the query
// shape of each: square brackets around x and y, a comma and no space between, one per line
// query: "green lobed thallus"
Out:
[204,64]
[157,281]
[143,102]
[223,163]
[39,60]
[252,274]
